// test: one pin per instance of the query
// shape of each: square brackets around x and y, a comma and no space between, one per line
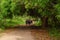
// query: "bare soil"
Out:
[25,34]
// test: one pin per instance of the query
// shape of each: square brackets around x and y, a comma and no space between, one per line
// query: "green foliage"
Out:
[5,8]
[34,8]
[54,33]
[57,7]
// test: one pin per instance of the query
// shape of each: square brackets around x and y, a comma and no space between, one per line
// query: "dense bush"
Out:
[46,10]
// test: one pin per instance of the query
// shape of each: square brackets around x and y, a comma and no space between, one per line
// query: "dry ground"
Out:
[25,34]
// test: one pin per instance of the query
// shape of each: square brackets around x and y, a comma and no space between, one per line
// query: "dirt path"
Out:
[25,34]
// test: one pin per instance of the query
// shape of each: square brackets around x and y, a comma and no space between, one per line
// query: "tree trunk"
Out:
[44,21]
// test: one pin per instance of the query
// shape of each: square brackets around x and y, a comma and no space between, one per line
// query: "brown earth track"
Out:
[25,34]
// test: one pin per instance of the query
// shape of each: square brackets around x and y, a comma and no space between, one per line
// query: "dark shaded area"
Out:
[25,27]
[33,12]
[28,21]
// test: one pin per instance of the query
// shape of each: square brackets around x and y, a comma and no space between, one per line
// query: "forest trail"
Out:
[25,34]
